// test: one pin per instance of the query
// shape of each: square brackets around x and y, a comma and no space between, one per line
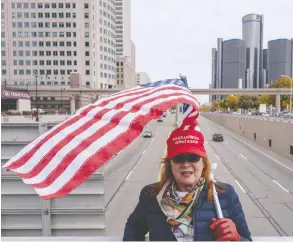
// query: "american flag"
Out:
[61,159]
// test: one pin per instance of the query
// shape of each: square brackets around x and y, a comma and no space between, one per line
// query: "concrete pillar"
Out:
[278,103]
[72,104]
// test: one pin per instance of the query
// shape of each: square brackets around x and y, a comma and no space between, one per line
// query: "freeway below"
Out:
[263,180]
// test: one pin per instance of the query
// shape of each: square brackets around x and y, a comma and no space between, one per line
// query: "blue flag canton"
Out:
[185,107]
[179,82]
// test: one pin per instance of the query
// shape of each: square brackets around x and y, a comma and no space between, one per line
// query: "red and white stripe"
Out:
[64,157]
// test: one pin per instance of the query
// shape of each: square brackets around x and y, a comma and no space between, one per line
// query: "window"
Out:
[27,44]
[55,43]
[47,15]
[48,43]
[68,25]
[19,15]
[61,15]
[48,34]
[86,5]
[60,5]
[87,63]
[2,34]
[87,53]
[27,53]
[68,15]
[55,53]
[47,24]
[47,5]
[87,44]
[61,43]
[67,5]
[86,25]
[86,15]
[33,5]
[86,34]
[26,15]
[40,15]
[54,15]
[54,5]
[27,62]
[55,63]
[33,15]
[15,62]
[40,5]
[61,25]
[68,34]
[41,24]
[68,53]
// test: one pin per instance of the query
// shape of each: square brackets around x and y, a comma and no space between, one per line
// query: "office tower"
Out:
[125,48]
[279,59]
[252,34]
[214,71]
[233,63]
[228,64]
[56,38]
[265,67]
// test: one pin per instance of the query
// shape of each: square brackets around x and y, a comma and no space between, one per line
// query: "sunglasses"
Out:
[186,157]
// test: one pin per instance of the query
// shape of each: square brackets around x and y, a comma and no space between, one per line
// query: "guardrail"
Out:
[271,118]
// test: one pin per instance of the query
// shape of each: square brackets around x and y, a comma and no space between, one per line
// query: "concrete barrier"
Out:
[277,136]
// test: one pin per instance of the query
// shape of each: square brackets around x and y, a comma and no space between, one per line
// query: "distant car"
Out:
[164,114]
[218,137]
[147,134]
[160,119]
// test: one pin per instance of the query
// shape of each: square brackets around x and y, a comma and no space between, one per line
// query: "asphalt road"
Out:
[262,179]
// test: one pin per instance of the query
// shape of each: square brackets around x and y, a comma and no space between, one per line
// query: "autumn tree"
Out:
[281,82]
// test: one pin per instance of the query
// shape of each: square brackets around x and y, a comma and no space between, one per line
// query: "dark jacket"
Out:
[148,216]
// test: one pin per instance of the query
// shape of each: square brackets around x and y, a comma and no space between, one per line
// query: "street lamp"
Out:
[291,83]
[36,75]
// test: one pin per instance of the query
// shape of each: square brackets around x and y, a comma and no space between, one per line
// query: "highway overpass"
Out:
[196,91]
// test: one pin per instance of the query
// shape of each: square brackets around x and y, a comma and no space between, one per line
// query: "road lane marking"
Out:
[217,157]
[243,156]
[128,175]
[239,185]
[273,159]
[143,152]
[281,186]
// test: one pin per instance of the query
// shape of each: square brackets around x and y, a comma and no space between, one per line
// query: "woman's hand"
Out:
[225,230]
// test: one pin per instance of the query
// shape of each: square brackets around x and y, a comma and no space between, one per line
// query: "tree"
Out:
[232,102]
[282,82]
[248,102]
[216,104]
[266,99]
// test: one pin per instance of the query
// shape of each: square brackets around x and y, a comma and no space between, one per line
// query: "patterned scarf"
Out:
[179,210]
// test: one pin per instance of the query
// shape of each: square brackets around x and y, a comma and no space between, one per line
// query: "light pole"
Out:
[36,75]
[291,83]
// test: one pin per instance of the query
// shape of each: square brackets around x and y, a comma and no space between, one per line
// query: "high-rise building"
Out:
[125,48]
[57,38]
[228,64]
[265,67]
[233,63]
[252,34]
[279,58]
[142,78]
[123,27]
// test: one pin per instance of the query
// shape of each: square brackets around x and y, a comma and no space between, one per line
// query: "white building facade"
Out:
[56,38]
[142,78]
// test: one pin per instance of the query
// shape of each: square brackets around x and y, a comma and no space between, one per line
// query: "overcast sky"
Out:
[173,36]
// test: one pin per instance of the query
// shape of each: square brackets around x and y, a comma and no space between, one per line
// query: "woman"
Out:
[179,207]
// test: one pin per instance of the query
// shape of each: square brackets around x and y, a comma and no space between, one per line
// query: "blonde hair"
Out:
[166,174]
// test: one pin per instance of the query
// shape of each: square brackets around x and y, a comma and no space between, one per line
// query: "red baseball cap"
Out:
[185,141]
